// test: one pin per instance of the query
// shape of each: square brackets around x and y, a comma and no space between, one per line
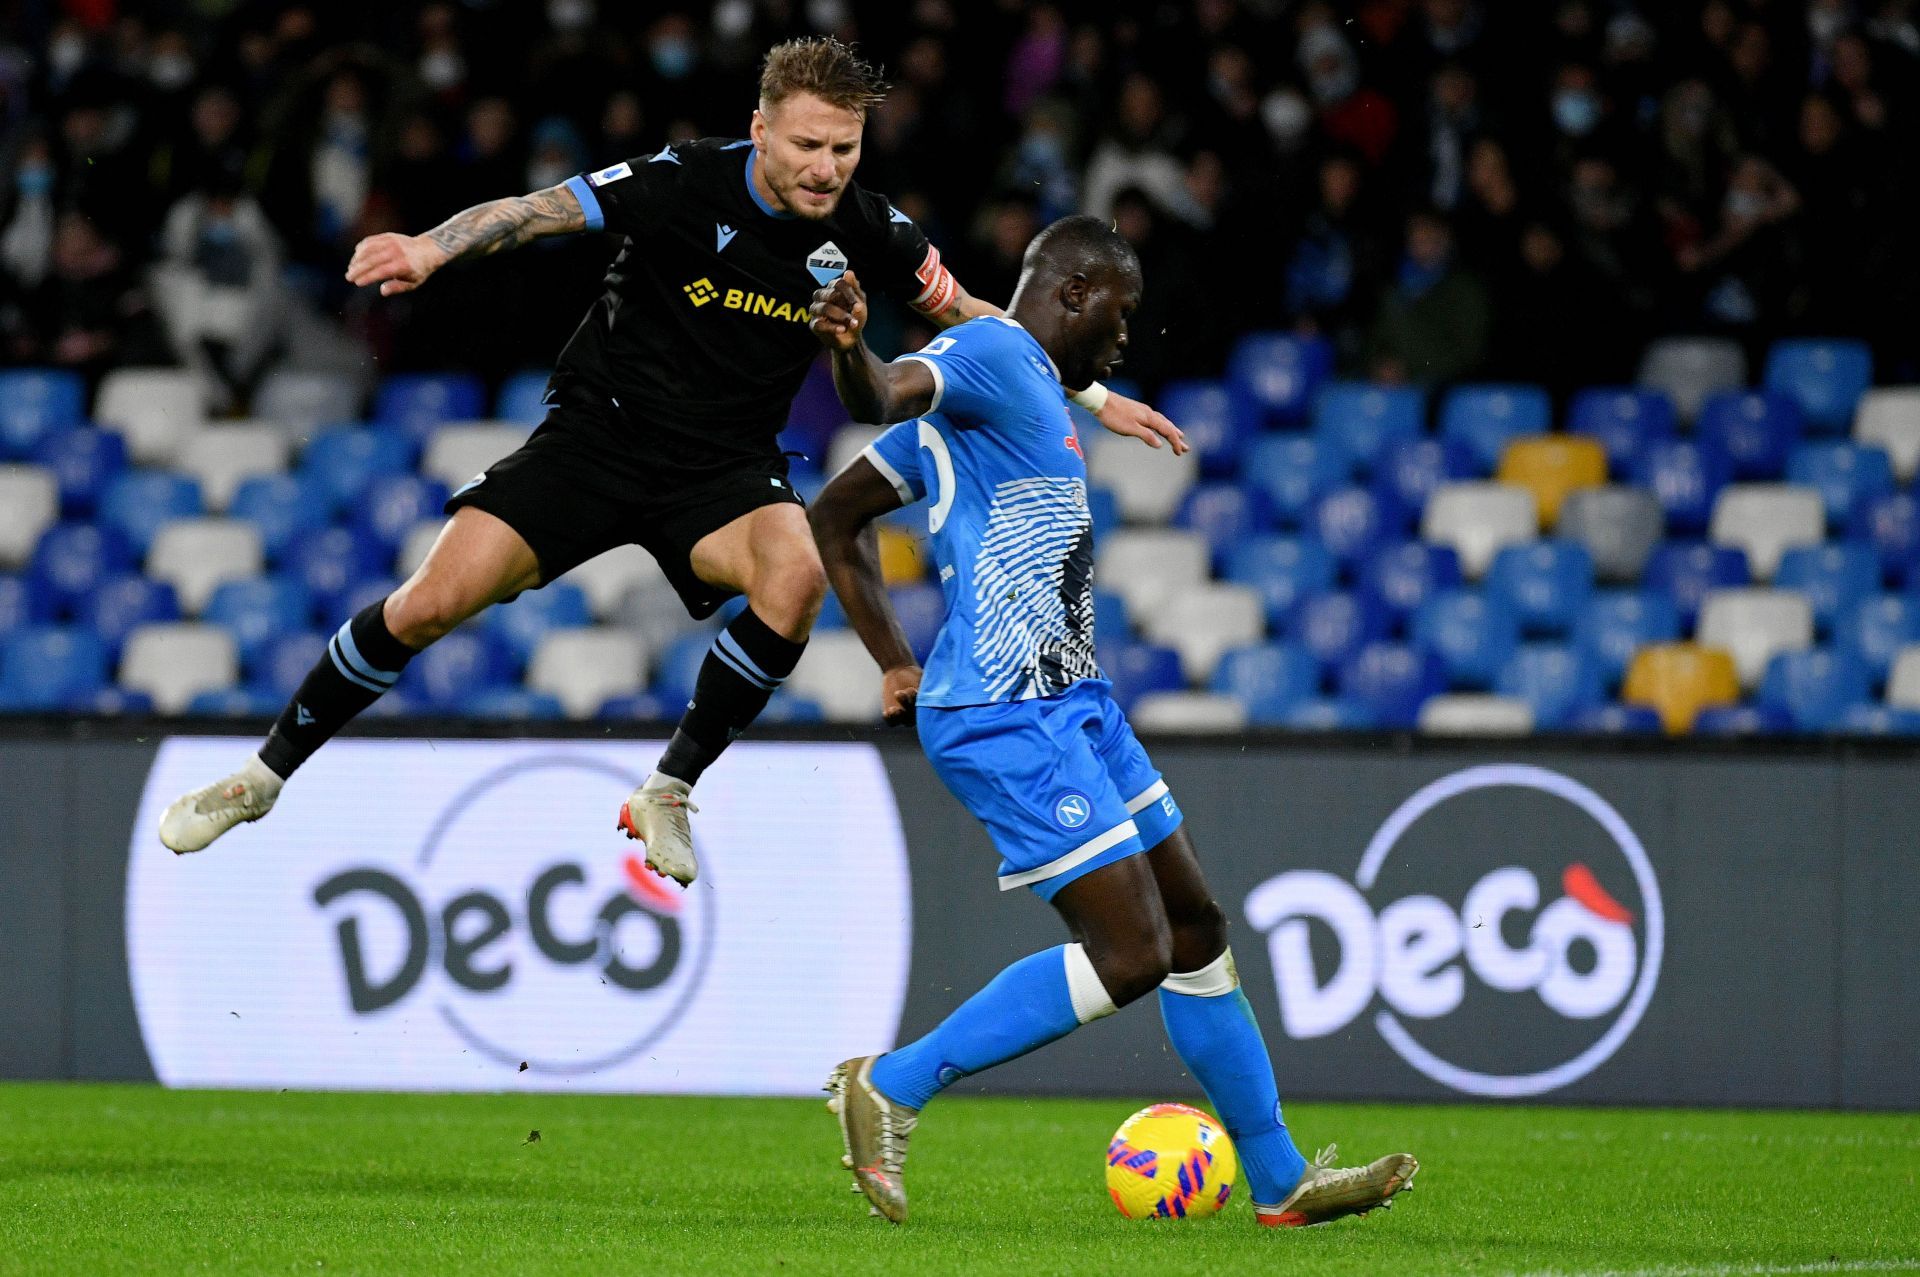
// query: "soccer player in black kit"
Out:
[666,409]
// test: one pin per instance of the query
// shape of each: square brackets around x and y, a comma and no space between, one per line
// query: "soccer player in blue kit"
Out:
[1018,721]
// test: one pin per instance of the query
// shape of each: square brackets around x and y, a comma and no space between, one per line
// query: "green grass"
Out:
[133,1179]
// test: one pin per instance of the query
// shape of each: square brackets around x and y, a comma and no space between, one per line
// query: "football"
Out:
[1170,1161]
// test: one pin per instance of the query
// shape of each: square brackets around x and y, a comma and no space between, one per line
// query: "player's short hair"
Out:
[1080,245]
[824,67]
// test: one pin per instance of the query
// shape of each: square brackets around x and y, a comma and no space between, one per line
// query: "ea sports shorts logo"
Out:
[1073,810]
[1501,895]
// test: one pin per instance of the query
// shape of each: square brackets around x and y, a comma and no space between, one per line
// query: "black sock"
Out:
[363,659]
[744,667]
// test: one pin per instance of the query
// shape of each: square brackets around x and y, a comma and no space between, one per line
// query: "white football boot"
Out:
[192,821]
[656,814]
[874,1132]
[1327,1192]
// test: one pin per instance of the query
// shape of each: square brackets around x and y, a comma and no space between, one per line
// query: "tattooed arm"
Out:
[400,263]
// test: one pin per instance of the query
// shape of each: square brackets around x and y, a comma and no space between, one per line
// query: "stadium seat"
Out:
[1731,721]
[1834,576]
[1472,633]
[1754,429]
[1552,467]
[1890,525]
[1267,676]
[584,667]
[48,667]
[1294,471]
[645,707]
[1225,514]
[301,400]
[155,409]
[1754,624]
[1102,506]
[1617,720]
[1615,624]
[1815,688]
[417,403]
[332,561]
[233,702]
[1678,680]
[1218,427]
[1405,576]
[1411,470]
[1201,622]
[174,662]
[1284,571]
[458,666]
[1618,525]
[608,578]
[281,663]
[1685,478]
[258,611]
[1134,669]
[921,609]
[118,604]
[519,624]
[1879,720]
[837,674]
[110,700]
[1335,626]
[1765,519]
[511,704]
[82,462]
[395,504]
[653,610]
[36,403]
[523,398]
[220,457]
[1278,374]
[415,544]
[677,667]
[1392,680]
[1485,418]
[283,506]
[1876,628]
[196,555]
[457,454]
[1359,422]
[1145,566]
[1844,474]
[138,502]
[1354,523]
[1825,377]
[1110,623]
[903,555]
[73,558]
[1188,712]
[848,442]
[1543,583]
[1685,571]
[25,600]
[1148,482]
[1624,419]
[29,505]
[1903,679]
[1889,417]
[1477,520]
[1688,369]
[1475,714]
[346,460]
[816,413]
[1559,680]
[1327,714]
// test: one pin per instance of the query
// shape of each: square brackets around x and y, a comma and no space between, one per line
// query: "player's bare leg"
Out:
[769,556]
[476,561]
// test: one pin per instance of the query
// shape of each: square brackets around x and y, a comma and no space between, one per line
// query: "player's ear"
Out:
[758,130]
[1073,293]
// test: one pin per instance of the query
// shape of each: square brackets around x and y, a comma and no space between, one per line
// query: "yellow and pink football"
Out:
[1170,1161]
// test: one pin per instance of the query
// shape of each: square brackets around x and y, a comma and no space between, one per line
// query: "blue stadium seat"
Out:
[523,397]
[1110,623]
[1322,714]
[281,663]
[519,625]
[1876,628]
[24,600]
[1472,633]
[417,402]
[786,707]
[1625,419]
[330,562]
[1846,474]
[73,558]
[1891,525]
[1879,720]
[399,703]
[1559,680]
[1754,429]
[1407,575]
[1410,469]
[1225,514]
[1615,624]
[1392,680]
[1618,720]
[394,503]
[116,605]
[1543,583]
[1103,507]
[285,507]
[1293,471]
[1336,626]
[1135,669]
[346,460]
[36,403]
[358,595]
[642,707]
[82,461]
[1685,571]
[259,610]
[1815,687]
[1278,374]
[111,699]
[48,667]
[921,609]
[1359,422]
[1487,417]
[1270,676]
[1285,570]
[677,667]
[1825,377]
[1686,477]
[1834,577]
[518,704]
[137,502]
[1218,427]
[465,662]
[1354,522]
[235,702]
[1741,720]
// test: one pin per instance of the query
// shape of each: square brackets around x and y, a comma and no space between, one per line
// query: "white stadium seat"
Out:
[1145,566]
[461,450]
[221,456]
[301,400]
[608,578]
[1472,714]
[196,555]
[29,504]
[1478,520]
[653,610]
[1754,625]
[173,663]
[414,546]
[1203,622]
[1188,712]
[1766,519]
[156,409]
[1147,483]
[583,667]
[1688,369]
[1889,417]
[1618,525]
[846,444]
[1903,684]
[836,673]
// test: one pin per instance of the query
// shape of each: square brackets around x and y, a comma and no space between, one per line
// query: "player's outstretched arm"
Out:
[873,391]
[401,263]
[842,519]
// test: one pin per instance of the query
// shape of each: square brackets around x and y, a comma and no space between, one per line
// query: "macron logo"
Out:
[302,715]
[666,156]
[723,236]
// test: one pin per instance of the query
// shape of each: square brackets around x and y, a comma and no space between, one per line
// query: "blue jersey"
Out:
[1011,530]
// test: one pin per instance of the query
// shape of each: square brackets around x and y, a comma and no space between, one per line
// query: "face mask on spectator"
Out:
[33,181]
[170,71]
[442,69]
[1576,112]
[672,56]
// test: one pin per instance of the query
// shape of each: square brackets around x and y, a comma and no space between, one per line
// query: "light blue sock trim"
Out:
[339,663]
[362,666]
[589,202]
[730,646]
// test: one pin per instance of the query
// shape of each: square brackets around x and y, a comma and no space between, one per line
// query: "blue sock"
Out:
[1213,1029]
[1031,1003]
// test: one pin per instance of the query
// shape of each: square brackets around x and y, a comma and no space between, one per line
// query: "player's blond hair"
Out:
[824,67]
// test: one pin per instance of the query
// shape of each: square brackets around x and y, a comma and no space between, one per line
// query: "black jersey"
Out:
[702,336]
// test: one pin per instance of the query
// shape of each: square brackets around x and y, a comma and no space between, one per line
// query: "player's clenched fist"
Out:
[899,690]
[839,312]
[398,263]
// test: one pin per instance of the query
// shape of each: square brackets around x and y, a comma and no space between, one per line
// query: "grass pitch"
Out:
[97,1179]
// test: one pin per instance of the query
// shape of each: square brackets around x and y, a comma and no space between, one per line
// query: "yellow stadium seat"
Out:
[1551,466]
[902,560]
[1681,679]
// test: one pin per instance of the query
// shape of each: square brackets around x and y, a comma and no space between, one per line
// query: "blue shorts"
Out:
[1060,782]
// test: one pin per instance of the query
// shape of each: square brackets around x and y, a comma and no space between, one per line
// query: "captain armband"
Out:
[938,287]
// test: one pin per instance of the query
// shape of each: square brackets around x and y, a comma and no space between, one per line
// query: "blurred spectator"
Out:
[1748,267]
[1337,263]
[1434,322]
[90,312]
[218,288]
[1138,151]
[26,242]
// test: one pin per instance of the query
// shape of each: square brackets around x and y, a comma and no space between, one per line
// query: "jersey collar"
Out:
[1011,322]
[753,192]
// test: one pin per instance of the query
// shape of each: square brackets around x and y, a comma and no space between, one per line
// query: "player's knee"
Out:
[1199,936]
[420,613]
[788,590]
[1132,971]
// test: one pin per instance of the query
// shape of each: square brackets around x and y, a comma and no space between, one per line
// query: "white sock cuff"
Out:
[1217,979]
[1091,1000]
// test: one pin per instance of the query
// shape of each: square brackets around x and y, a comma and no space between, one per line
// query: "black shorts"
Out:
[589,480]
